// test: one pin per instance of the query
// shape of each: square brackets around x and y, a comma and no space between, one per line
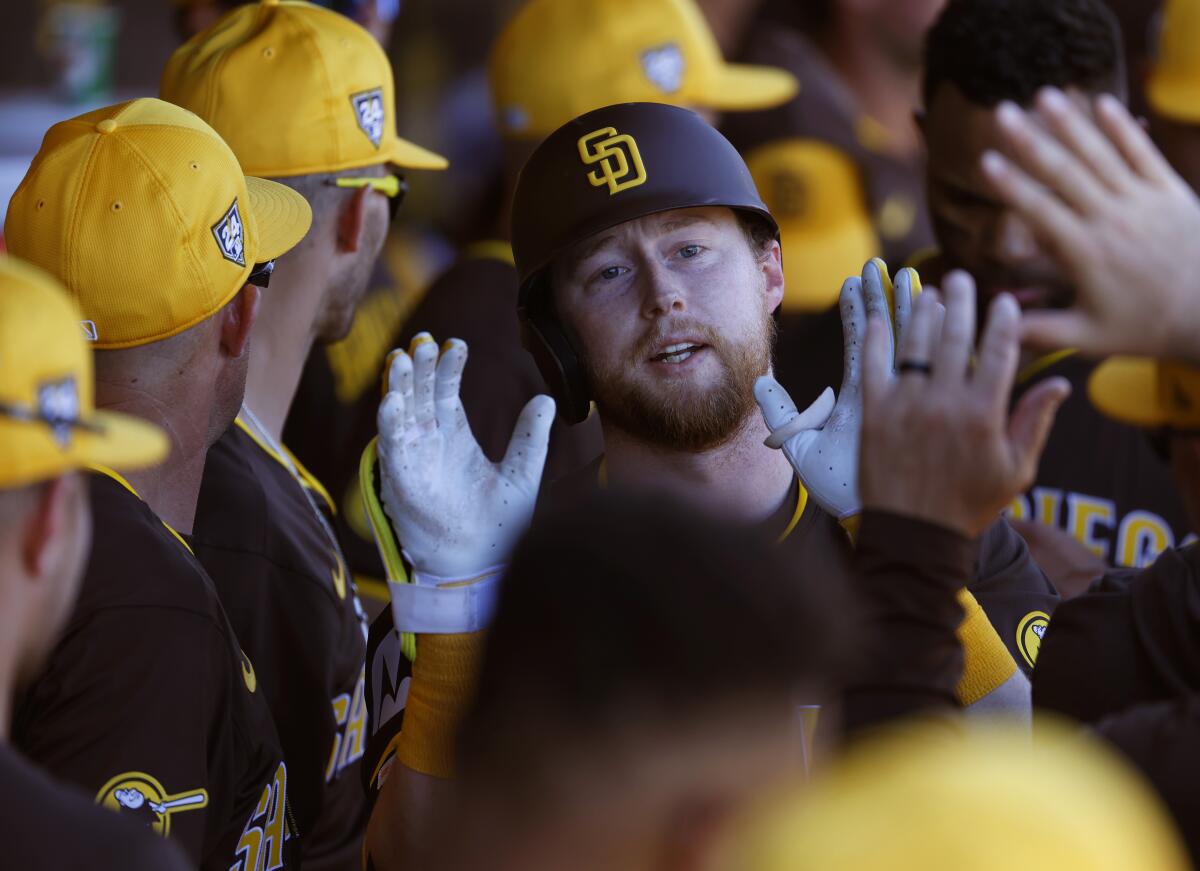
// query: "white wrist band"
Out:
[436,610]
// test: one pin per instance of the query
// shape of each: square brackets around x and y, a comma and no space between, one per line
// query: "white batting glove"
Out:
[822,441]
[455,513]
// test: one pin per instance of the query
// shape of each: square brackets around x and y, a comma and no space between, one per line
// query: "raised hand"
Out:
[937,440]
[456,514]
[822,442]
[1111,210]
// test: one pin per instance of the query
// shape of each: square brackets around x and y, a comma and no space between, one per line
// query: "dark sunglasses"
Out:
[260,274]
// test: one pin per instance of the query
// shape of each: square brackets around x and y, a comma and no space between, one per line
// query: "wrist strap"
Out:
[436,610]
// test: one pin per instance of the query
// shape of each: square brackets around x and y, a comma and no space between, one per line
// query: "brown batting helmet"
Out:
[599,170]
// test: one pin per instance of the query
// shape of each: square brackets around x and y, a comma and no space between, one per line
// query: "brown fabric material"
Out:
[275,570]
[148,677]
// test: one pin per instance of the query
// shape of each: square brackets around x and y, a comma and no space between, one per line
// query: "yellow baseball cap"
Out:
[814,192]
[1148,393]
[927,799]
[143,212]
[295,89]
[48,421]
[558,59]
[1173,86]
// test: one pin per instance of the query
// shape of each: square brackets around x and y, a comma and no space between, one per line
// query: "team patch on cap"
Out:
[58,405]
[1030,632]
[230,235]
[664,66]
[368,110]
[609,148]
[88,328]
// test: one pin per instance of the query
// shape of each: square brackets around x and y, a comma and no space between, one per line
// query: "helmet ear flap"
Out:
[555,355]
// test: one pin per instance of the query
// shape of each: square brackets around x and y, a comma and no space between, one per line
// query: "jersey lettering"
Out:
[350,712]
[261,846]
[1084,514]
[1141,537]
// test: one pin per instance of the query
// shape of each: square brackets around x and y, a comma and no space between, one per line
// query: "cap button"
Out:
[108,125]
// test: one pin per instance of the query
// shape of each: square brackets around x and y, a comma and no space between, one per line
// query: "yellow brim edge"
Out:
[409,155]
[748,88]
[282,217]
[1126,389]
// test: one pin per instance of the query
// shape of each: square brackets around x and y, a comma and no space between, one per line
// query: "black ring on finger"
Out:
[919,366]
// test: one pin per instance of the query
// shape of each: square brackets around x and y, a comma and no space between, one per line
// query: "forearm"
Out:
[909,573]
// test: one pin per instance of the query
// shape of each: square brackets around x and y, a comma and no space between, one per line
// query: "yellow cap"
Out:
[814,192]
[558,59]
[990,800]
[1146,392]
[295,89]
[48,421]
[1173,86]
[143,212]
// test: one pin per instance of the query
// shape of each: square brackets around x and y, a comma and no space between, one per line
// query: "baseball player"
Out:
[619,257]
[50,432]
[264,526]
[1170,89]
[1103,494]
[143,212]
[840,164]
[553,60]
[1124,657]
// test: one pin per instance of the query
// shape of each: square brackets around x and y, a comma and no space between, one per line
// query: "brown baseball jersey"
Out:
[52,825]
[294,606]
[1100,481]
[149,704]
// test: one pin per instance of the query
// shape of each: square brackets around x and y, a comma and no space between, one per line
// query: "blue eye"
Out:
[689,251]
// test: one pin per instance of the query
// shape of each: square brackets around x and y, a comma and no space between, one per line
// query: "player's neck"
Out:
[282,338]
[741,478]
[886,93]
[172,488]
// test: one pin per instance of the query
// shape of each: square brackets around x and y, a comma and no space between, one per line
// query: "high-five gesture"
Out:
[456,513]
[822,441]
[1109,207]
[937,439]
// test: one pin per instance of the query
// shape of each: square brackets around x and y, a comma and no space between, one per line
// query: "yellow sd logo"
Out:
[610,152]
[1030,631]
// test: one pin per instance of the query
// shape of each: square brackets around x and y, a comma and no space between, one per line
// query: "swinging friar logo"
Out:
[230,235]
[368,110]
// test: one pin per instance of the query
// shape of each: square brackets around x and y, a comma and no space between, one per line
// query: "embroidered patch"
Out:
[230,235]
[1030,632]
[368,111]
[664,67]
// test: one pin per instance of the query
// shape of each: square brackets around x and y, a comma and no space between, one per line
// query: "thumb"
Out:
[1030,424]
[780,414]
[526,454]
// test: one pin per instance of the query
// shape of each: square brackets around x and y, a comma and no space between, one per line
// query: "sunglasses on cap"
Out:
[394,187]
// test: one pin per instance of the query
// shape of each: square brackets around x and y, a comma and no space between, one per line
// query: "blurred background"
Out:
[59,58]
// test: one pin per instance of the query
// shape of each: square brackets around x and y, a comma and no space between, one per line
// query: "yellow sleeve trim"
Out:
[385,537]
[801,504]
[987,662]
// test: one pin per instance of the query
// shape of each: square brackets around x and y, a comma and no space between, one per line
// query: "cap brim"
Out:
[121,442]
[408,155]
[748,88]
[281,217]
[815,265]
[1174,98]
[1126,389]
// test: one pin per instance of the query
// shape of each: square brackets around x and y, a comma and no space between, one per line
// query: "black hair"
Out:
[994,50]
[641,604]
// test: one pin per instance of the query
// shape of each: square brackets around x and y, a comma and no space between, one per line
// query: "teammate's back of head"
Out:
[646,651]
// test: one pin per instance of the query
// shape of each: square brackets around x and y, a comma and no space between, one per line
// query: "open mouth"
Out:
[677,353]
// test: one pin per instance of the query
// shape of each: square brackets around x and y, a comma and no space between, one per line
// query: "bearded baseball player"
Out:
[148,701]
[265,527]
[649,273]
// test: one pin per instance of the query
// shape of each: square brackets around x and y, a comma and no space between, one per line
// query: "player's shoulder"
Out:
[234,501]
[137,561]
[39,810]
